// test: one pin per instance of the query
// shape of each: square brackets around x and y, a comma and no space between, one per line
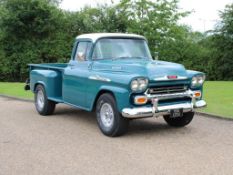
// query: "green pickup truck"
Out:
[114,75]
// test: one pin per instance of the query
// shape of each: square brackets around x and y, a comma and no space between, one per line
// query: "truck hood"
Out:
[138,67]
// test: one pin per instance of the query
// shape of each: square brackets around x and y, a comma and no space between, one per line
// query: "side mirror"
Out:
[80,56]
[156,55]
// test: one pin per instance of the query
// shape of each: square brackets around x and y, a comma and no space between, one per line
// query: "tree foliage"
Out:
[36,31]
[30,34]
[223,44]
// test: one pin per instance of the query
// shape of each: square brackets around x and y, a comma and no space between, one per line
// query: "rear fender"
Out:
[50,79]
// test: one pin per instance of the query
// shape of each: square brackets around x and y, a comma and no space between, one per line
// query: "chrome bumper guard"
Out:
[155,110]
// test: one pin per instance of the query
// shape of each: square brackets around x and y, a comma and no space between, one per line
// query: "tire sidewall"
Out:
[180,121]
[40,88]
[106,98]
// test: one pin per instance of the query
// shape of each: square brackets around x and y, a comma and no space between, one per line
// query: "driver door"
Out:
[76,75]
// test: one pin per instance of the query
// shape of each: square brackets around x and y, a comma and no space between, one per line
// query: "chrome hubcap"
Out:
[40,99]
[106,115]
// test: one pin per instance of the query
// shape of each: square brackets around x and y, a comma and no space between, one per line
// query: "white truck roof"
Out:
[96,36]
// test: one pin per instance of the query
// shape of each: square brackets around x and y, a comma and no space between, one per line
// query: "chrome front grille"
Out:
[167,89]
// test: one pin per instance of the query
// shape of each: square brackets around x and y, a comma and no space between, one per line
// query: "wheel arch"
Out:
[39,83]
[101,92]
[121,96]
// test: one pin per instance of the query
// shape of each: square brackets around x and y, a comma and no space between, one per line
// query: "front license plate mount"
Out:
[175,113]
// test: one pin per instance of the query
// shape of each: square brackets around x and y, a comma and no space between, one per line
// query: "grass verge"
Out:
[219,98]
[218,95]
[15,90]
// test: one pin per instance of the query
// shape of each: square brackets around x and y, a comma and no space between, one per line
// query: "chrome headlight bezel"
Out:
[139,84]
[197,80]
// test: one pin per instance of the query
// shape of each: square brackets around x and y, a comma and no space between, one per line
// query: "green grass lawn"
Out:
[15,89]
[219,98]
[218,95]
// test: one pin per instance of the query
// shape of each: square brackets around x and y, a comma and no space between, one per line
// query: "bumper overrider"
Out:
[156,110]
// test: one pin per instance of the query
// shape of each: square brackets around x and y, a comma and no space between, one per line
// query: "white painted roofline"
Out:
[96,36]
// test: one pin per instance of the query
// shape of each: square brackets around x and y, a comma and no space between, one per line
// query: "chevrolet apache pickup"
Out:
[114,75]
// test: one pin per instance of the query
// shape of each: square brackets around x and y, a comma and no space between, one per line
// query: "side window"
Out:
[82,50]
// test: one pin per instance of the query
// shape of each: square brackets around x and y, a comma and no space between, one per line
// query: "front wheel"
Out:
[44,106]
[179,121]
[110,121]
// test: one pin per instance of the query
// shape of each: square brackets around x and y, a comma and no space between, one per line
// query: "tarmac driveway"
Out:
[69,142]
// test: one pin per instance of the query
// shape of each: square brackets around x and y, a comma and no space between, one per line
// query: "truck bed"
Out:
[50,76]
[56,66]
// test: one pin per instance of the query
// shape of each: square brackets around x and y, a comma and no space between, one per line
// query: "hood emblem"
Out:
[172,77]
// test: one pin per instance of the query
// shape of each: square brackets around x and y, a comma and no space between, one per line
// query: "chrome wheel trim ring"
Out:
[106,115]
[40,100]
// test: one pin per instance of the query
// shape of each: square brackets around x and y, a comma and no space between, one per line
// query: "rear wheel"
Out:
[110,121]
[179,121]
[44,106]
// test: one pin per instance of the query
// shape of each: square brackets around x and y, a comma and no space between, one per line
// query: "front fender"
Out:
[191,73]
[121,95]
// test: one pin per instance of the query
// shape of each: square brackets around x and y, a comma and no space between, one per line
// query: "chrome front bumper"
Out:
[156,110]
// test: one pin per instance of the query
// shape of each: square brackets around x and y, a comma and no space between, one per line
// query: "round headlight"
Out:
[139,84]
[198,80]
[134,85]
[142,84]
[194,81]
[201,79]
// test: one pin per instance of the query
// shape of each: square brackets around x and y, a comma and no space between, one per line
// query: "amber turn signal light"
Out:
[140,100]
[197,94]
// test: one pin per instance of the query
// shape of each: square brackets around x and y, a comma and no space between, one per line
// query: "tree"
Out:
[37,31]
[30,30]
[153,19]
[223,42]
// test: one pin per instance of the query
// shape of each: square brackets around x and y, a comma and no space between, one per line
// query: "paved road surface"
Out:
[70,142]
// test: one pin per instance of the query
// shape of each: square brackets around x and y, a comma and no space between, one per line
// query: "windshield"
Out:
[115,48]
